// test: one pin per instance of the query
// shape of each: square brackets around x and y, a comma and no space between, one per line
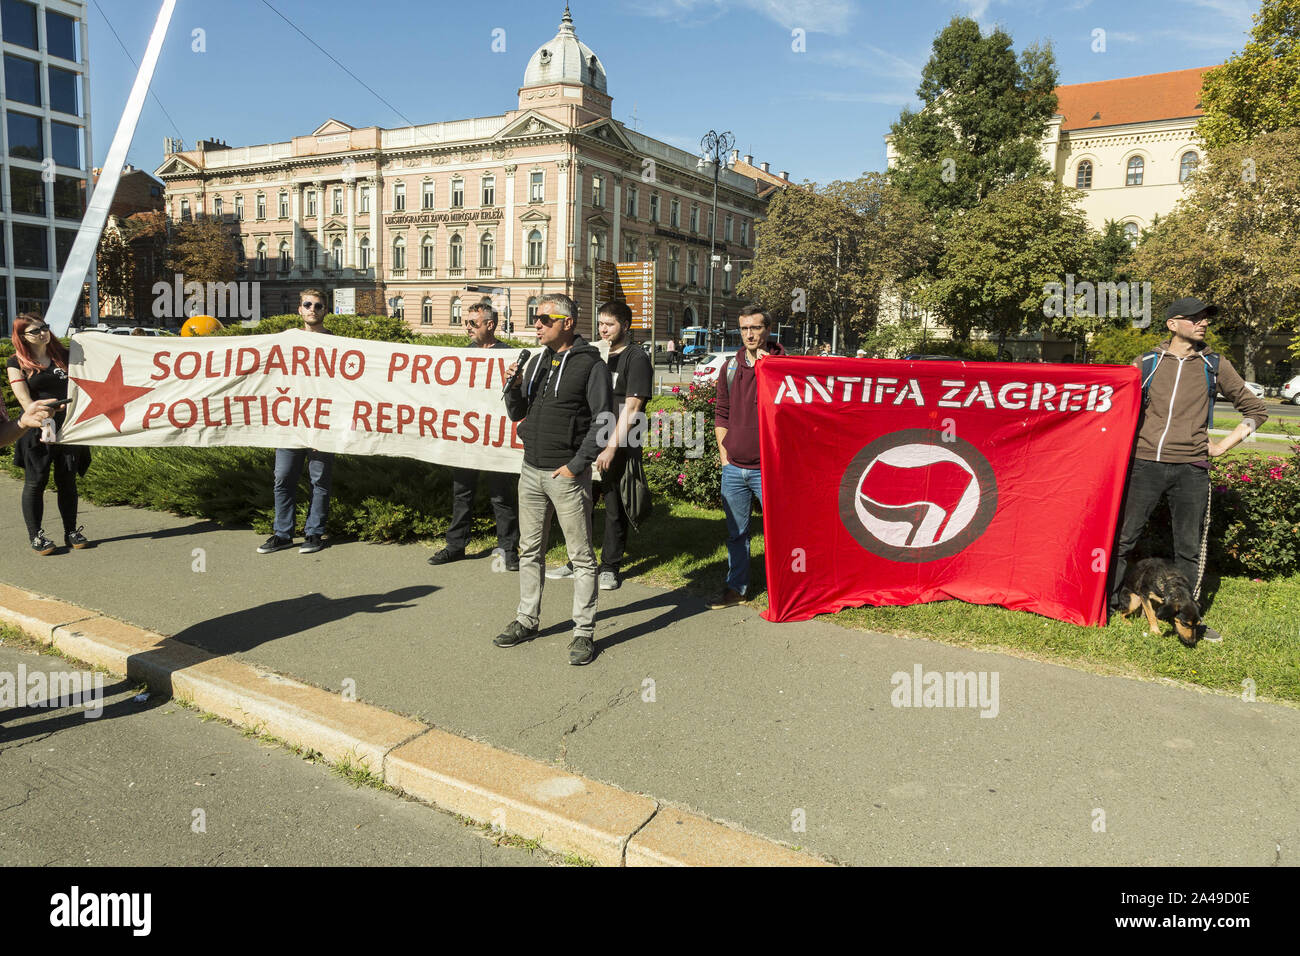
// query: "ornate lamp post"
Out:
[715,151]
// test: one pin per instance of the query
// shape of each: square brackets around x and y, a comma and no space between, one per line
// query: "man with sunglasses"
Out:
[289,462]
[481,327]
[1180,378]
[563,398]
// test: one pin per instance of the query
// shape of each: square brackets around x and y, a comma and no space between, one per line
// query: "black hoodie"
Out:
[563,398]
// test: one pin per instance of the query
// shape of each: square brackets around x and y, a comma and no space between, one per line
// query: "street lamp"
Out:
[715,151]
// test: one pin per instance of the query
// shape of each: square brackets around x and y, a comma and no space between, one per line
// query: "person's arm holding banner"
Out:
[32,416]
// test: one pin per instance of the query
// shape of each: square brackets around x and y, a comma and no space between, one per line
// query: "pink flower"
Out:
[659,454]
[1245,477]
[1275,473]
[677,389]
[681,479]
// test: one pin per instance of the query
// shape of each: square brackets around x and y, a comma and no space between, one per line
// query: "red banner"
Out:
[891,482]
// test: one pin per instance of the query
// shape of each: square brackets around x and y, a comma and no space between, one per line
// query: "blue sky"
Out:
[684,66]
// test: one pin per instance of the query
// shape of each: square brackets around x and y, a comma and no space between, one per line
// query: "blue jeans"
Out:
[288,466]
[740,486]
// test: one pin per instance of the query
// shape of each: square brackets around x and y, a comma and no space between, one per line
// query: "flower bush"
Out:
[1255,514]
[670,473]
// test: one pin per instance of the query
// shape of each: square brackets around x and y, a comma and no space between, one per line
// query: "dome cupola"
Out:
[565,59]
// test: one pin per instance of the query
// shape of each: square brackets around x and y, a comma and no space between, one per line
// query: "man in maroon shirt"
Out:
[736,425]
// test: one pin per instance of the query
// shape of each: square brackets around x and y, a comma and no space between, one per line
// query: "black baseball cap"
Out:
[1189,306]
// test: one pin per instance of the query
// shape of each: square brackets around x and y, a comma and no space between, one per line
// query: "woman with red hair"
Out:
[39,371]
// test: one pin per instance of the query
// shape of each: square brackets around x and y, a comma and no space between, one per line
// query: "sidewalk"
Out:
[753,723]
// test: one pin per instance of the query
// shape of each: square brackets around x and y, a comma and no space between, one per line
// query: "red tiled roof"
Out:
[1134,99]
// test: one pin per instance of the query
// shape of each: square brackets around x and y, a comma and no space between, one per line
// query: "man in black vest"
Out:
[481,326]
[563,399]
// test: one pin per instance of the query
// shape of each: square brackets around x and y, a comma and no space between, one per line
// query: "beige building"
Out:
[412,219]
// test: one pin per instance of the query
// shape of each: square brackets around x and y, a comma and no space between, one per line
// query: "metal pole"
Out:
[713,234]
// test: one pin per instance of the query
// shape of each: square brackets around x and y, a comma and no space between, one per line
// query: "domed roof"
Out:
[565,59]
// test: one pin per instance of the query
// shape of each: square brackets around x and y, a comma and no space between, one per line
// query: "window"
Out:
[675,214]
[30,249]
[66,140]
[426,194]
[26,140]
[399,308]
[365,199]
[261,206]
[1083,175]
[457,194]
[399,196]
[631,202]
[1131,233]
[399,254]
[60,36]
[487,252]
[22,80]
[744,233]
[26,192]
[455,311]
[426,253]
[1187,165]
[693,269]
[336,255]
[536,184]
[1134,177]
[310,245]
[426,311]
[218,206]
[69,197]
[535,248]
[652,252]
[654,207]
[629,249]
[456,252]
[337,203]
[531,309]
[283,203]
[729,232]
[597,192]
[261,258]
[18,23]
[65,90]
[672,263]
[695,219]
[185,209]
[598,242]
[364,253]
[311,203]
[286,261]
[239,207]
[489,190]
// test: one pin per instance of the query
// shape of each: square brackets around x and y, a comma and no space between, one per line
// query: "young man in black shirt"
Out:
[633,378]
[481,326]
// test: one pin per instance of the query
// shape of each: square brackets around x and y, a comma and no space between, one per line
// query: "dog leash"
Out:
[1205,539]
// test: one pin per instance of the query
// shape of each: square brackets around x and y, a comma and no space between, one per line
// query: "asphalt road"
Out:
[150,783]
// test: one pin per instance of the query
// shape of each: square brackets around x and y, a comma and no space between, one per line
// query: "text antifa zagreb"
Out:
[483,372]
[955,393]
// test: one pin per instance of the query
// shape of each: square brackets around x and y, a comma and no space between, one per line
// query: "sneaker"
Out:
[581,650]
[311,545]
[42,545]
[446,556]
[609,581]
[563,571]
[512,560]
[275,543]
[75,539]
[515,633]
[727,597]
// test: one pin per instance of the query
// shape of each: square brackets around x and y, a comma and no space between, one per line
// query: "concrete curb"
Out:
[565,812]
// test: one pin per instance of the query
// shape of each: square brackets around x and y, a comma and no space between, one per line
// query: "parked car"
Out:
[708,367]
[1291,391]
[1256,390]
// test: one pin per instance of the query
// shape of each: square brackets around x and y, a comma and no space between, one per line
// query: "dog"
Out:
[1155,581]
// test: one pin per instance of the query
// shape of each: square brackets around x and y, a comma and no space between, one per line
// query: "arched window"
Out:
[455,311]
[261,257]
[399,254]
[426,311]
[1083,175]
[1187,165]
[399,308]
[336,254]
[486,252]
[1131,233]
[1135,166]
[426,253]
[285,262]
[535,248]
[532,309]
[456,252]
[364,253]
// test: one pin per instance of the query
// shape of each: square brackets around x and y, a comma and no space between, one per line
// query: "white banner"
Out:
[294,389]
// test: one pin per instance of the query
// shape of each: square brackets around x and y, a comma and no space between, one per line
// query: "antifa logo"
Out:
[910,496]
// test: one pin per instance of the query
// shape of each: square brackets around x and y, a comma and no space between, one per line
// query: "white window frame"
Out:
[399,197]
[488,190]
[537,186]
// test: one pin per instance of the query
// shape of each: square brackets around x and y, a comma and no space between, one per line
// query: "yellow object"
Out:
[200,325]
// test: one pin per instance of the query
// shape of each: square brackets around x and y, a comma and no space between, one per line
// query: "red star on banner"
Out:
[109,397]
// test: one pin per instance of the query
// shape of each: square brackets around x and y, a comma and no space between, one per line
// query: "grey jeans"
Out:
[569,500]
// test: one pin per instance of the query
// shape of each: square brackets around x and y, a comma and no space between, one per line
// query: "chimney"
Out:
[735,155]
[749,159]
[785,174]
[764,167]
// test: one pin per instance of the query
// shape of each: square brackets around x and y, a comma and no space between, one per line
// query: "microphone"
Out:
[523,360]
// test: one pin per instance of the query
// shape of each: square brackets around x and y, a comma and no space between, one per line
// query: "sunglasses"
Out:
[549,320]
[471,324]
[314,306]
[37,330]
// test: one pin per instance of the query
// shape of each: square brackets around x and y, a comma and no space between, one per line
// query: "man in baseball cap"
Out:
[1189,307]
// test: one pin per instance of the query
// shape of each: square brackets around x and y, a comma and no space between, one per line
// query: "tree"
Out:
[203,250]
[1255,91]
[116,273]
[827,254]
[1001,256]
[981,122]
[1234,239]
